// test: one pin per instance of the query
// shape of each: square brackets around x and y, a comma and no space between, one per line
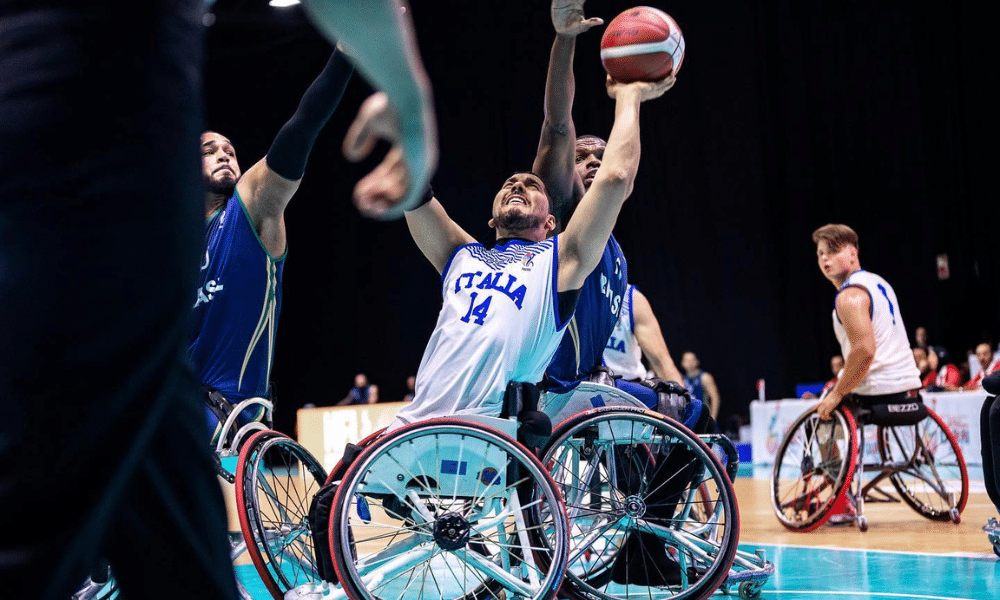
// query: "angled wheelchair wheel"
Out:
[441,508]
[276,479]
[651,510]
[813,468]
[928,469]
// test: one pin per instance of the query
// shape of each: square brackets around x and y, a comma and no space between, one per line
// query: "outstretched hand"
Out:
[648,90]
[568,19]
[398,182]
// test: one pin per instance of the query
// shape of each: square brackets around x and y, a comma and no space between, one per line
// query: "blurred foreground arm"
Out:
[378,37]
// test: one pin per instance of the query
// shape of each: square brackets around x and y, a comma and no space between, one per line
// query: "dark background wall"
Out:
[785,116]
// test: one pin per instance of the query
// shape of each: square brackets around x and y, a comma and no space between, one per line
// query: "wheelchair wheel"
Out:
[930,473]
[440,508]
[651,510]
[813,468]
[276,479]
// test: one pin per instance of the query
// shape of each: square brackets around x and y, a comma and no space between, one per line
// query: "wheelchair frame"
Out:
[910,461]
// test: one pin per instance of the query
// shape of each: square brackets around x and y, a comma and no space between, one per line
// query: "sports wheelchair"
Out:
[462,509]
[453,507]
[819,470]
[642,488]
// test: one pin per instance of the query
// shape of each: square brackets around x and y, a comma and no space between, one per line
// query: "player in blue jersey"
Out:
[559,161]
[568,165]
[505,308]
[238,301]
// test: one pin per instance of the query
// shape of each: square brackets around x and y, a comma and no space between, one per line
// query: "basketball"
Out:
[642,44]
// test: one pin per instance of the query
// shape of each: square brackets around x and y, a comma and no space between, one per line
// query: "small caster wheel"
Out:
[749,590]
[956,517]
[863,523]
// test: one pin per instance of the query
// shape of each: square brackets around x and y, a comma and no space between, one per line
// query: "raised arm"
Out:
[586,234]
[554,160]
[650,338]
[435,233]
[268,185]
[378,36]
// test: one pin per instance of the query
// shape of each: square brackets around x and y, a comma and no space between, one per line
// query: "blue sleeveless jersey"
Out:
[693,385]
[235,314]
[597,310]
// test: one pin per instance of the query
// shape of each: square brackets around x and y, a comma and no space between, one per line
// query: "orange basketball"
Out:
[642,44]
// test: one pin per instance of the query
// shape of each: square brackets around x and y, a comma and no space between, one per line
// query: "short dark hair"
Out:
[591,139]
[836,236]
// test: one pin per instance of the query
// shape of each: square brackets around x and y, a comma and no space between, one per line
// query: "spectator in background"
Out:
[836,364]
[987,365]
[360,393]
[372,394]
[920,358]
[941,375]
[411,383]
[700,383]
[920,337]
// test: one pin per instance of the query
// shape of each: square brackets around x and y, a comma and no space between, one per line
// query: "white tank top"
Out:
[623,354]
[499,323]
[893,369]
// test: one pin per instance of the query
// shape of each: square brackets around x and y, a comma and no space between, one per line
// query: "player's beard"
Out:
[514,221]
[224,187]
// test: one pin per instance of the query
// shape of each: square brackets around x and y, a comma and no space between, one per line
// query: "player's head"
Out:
[218,163]
[589,154]
[522,209]
[836,251]
[984,354]
[689,362]
[937,356]
[836,364]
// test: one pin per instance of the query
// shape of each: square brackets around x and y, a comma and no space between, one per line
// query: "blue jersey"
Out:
[237,306]
[597,310]
[693,385]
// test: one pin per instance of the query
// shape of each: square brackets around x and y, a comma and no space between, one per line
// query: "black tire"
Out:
[933,465]
[276,479]
[666,495]
[437,505]
[813,468]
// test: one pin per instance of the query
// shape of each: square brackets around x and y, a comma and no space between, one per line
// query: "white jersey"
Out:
[623,354]
[893,369]
[500,322]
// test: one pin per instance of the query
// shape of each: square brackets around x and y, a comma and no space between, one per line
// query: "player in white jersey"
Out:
[504,309]
[637,334]
[868,324]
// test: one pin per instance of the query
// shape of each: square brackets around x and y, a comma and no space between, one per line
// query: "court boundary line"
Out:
[949,554]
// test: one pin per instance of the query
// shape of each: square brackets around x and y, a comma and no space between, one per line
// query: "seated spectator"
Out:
[360,393]
[920,357]
[411,384]
[942,375]
[987,366]
[920,338]
[836,364]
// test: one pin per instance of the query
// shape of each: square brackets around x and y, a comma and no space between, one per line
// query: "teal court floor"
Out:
[934,561]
